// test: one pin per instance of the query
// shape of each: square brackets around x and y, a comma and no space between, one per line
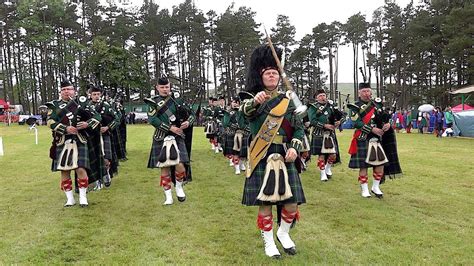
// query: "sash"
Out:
[67,113]
[357,133]
[164,108]
[267,132]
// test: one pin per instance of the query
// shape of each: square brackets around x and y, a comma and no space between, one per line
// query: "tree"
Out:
[355,31]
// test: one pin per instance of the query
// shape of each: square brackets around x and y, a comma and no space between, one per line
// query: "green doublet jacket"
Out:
[218,113]
[319,113]
[230,119]
[59,117]
[207,112]
[110,117]
[163,113]
[359,109]
[256,115]
[242,121]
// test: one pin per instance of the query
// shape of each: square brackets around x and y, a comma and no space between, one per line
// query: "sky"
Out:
[303,14]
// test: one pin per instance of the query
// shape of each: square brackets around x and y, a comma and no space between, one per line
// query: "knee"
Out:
[291,207]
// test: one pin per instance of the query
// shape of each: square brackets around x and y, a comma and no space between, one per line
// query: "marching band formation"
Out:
[263,134]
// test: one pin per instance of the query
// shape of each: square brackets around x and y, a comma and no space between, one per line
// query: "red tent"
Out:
[458,108]
[3,104]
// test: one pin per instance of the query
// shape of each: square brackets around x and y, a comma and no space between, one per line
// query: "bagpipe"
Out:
[71,114]
[182,112]
[388,139]
[75,111]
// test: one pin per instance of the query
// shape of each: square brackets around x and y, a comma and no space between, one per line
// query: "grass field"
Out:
[426,216]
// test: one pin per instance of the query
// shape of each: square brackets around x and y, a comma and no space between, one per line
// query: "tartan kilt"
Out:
[317,143]
[229,144]
[254,182]
[96,159]
[156,149]
[358,160]
[245,146]
[82,156]
[107,147]
[221,138]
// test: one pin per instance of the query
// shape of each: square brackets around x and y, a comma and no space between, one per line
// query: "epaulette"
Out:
[150,101]
[51,104]
[244,95]
[353,107]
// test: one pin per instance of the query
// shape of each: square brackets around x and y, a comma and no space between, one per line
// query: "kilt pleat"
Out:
[358,160]
[254,182]
[82,156]
[245,146]
[107,147]
[156,149]
[228,144]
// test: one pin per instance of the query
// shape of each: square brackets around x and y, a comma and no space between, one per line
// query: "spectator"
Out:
[439,121]
[131,118]
[425,122]
[449,118]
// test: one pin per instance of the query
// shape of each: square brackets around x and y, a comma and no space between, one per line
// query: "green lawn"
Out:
[426,217]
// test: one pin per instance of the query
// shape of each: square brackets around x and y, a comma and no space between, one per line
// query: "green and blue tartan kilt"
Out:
[254,182]
[317,144]
[107,147]
[221,138]
[358,160]
[96,159]
[228,144]
[82,156]
[156,149]
[245,146]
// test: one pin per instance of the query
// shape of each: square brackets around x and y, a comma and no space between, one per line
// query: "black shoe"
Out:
[181,199]
[329,176]
[379,196]
[276,257]
[290,251]
[107,184]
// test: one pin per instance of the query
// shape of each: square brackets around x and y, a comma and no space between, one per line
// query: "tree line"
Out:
[423,51]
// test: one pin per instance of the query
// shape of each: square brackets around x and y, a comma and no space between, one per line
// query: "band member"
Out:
[69,119]
[211,127]
[110,121]
[119,134]
[168,150]
[305,153]
[324,120]
[373,143]
[277,133]
[208,125]
[233,135]
[244,129]
[219,117]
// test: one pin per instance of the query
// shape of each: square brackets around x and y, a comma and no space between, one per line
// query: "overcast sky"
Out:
[303,14]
